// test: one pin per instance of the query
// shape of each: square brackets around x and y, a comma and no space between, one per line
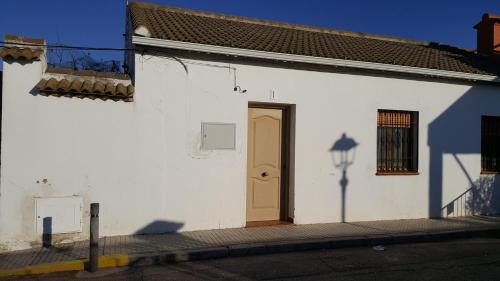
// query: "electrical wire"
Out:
[12,44]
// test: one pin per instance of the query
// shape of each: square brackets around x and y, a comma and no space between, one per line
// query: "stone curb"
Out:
[258,248]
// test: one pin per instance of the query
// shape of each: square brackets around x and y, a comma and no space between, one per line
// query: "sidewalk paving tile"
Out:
[253,240]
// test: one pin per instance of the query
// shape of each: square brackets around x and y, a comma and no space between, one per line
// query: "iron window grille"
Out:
[397,142]
[490,144]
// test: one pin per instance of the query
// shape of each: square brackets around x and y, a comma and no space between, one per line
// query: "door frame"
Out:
[286,130]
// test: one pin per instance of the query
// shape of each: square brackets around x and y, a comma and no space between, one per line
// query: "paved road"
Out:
[474,259]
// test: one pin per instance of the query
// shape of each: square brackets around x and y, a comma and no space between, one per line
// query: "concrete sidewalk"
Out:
[147,249]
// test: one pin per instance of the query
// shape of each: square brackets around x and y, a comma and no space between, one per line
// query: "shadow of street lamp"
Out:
[343,153]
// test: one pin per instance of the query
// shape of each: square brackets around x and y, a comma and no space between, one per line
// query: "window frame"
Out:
[415,146]
[485,170]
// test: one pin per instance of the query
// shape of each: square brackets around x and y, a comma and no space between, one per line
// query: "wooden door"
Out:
[264,164]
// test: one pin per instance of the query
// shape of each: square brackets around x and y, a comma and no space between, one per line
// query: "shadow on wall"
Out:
[160,226]
[485,196]
[458,131]
[343,152]
[482,198]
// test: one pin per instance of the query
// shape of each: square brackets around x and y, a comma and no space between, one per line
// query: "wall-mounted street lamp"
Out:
[239,90]
[237,87]
[343,153]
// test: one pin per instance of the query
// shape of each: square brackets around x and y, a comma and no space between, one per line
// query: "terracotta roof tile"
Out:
[245,33]
[21,52]
[86,84]
[17,53]
[21,39]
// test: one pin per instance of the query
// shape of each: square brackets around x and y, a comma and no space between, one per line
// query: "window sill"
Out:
[490,172]
[397,173]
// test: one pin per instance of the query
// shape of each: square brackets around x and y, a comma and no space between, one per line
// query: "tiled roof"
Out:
[86,84]
[17,53]
[245,33]
[21,52]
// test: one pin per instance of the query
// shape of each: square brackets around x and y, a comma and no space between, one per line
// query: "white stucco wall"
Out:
[143,163]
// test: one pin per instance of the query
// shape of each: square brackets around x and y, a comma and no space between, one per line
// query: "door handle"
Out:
[264,174]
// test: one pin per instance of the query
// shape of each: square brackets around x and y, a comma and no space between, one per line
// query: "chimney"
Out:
[488,35]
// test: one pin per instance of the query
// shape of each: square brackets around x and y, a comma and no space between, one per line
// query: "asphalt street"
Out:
[472,259]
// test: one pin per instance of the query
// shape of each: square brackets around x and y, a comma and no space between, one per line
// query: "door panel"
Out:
[264,164]
[265,194]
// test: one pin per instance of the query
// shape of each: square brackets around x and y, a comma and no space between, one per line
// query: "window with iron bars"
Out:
[397,142]
[490,144]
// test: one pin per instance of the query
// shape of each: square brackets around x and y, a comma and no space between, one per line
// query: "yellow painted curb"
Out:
[113,261]
[74,265]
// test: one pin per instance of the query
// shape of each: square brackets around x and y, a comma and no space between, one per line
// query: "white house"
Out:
[227,122]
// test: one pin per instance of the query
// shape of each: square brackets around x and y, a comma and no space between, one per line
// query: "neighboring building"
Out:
[228,121]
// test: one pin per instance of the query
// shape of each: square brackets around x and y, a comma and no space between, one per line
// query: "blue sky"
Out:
[100,23]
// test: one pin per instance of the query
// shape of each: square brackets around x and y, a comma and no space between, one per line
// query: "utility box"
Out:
[55,215]
[218,136]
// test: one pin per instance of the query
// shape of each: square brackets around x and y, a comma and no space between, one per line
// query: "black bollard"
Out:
[47,232]
[94,238]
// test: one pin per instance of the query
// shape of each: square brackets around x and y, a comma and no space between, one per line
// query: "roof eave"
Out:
[187,46]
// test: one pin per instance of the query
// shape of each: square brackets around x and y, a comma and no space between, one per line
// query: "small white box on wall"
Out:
[58,214]
[218,136]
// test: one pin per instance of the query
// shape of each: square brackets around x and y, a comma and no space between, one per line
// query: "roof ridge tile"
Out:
[272,23]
